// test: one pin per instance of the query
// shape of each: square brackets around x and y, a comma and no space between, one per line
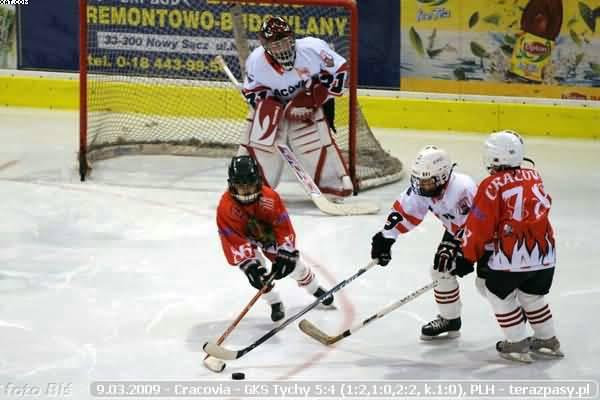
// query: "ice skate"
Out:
[549,348]
[277,312]
[514,351]
[327,302]
[441,325]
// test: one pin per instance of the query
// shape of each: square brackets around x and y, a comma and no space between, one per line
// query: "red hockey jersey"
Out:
[510,218]
[264,223]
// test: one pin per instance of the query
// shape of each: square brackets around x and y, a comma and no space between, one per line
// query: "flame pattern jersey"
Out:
[510,217]
[451,207]
[264,223]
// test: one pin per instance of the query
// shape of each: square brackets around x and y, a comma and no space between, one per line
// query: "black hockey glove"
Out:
[462,267]
[445,256]
[449,258]
[255,272]
[381,249]
[285,263]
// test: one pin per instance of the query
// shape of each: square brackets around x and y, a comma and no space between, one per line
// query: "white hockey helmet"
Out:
[430,171]
[503,150]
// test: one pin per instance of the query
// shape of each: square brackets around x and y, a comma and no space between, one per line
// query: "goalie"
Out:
[289,83]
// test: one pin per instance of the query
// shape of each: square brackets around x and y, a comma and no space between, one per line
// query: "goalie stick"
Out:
[307,182]
[216,365]
[222,353]
[314,332]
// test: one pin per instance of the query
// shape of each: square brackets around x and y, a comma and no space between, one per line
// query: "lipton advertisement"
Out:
[532,48]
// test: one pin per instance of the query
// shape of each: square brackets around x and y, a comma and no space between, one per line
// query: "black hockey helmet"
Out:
[244,179]
[278,40]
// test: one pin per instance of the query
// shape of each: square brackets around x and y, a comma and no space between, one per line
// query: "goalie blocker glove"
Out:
[255,272]
[285,263]
[381,249]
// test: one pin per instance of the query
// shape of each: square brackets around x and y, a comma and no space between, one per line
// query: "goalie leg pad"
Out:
[265,122]
[315,147]
[267,157]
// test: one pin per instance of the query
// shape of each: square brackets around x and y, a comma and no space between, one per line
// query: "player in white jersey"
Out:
[448,195]
[288,82]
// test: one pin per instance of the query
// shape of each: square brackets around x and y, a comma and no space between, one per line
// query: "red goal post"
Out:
[149,82]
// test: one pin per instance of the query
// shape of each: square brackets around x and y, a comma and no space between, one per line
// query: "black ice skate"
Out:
[546,347]
[277,312]
[514,351]
[327,301]
[435,328]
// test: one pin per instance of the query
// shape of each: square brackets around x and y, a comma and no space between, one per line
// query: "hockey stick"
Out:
[315,194]
[307,182]
[216,365]
[314,332]
[222,353]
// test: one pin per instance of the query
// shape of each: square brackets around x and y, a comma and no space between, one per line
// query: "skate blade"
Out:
[322,306]
[520,357]
[545,353]
[447,336]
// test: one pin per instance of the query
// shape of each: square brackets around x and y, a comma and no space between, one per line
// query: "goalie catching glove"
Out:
[449,259]
[285,263]
[303,106]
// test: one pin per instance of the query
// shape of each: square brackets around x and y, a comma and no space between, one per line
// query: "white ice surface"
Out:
[122,277]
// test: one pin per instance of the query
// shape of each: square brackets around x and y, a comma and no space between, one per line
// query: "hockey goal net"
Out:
[150,82]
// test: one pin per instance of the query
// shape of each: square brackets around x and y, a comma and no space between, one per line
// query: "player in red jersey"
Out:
[253,222]
[509,220]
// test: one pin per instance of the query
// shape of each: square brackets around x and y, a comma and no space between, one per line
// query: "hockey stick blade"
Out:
[311,188]
[311,330]
[221,352]
[314,332]
[213,349]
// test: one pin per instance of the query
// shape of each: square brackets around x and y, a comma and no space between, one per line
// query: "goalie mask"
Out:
[244,179]
[503,150]
[277,38]
[430,171]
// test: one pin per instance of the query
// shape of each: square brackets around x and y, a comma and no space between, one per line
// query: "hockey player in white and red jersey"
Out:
[509,218]
[435,187]
[288,83]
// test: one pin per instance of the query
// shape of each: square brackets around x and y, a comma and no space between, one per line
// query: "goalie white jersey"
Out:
[314,59]
[451,208]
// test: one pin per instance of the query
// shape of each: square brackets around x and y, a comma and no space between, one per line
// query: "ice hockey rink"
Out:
[122,277]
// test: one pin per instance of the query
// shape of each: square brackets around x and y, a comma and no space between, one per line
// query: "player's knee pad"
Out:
[509,315]
[480,286]
[531,302]
[445,279]
[271,297]
[301,270]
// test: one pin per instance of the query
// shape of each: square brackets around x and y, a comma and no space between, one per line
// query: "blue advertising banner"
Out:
[48,35]
[379,44]
[179,38]
[182,38]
